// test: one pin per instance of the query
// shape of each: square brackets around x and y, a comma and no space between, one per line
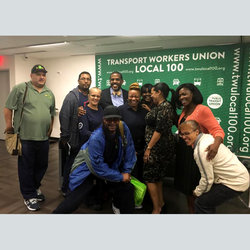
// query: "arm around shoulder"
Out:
[208,121]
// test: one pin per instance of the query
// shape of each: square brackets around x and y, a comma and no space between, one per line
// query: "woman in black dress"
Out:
[160,143]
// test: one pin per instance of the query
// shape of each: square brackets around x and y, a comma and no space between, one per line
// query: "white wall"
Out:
[23,67]
[62,75]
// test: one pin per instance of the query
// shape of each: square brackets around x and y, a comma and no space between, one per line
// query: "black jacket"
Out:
[68,117]
[106,98]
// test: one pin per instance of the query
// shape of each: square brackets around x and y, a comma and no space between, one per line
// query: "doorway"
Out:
[4,91]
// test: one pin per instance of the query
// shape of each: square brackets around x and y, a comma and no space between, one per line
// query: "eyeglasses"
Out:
[83,79]
[186,133]
[114,119]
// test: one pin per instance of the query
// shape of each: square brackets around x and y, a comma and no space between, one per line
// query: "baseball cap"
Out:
[38,68]
[111,112]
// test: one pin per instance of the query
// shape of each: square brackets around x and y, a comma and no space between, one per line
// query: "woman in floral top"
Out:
[160,143]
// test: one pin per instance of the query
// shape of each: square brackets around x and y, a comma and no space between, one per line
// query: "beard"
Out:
[83,88]
[118,87]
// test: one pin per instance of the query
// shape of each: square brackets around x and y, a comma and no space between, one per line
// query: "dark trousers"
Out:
[67,160]
[67,163]
[95,197]
[32,166]
[123,196]
[207,202]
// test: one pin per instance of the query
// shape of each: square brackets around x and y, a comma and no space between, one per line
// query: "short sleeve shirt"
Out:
[37,112]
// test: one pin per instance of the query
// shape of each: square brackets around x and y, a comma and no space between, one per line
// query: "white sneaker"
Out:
[40,195]
[115,209]
[138,207]
[32,204]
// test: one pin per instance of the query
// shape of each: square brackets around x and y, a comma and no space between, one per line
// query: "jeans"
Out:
[207,202]
[123,196]
[32,165]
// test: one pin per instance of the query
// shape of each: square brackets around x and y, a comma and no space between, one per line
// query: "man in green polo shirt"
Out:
[35,129]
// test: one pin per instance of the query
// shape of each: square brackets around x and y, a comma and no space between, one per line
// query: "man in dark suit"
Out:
[114,95]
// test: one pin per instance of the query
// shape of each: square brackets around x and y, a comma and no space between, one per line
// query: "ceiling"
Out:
[85,45]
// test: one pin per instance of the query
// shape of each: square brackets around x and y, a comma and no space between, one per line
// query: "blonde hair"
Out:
[135,86]
[95,89]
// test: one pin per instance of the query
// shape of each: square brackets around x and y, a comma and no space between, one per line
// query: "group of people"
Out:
[109,135]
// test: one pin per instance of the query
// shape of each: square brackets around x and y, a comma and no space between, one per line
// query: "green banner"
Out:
[244,138]
[215,70]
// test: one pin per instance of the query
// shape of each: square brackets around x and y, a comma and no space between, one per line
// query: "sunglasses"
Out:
[114,119]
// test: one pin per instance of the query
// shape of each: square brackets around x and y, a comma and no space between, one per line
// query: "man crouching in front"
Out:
[107,155]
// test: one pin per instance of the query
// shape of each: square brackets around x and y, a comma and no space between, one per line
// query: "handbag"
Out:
[13,144]
[140,190]
[12,140]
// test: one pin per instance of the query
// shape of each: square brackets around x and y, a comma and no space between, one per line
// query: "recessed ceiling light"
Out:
[48,45]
